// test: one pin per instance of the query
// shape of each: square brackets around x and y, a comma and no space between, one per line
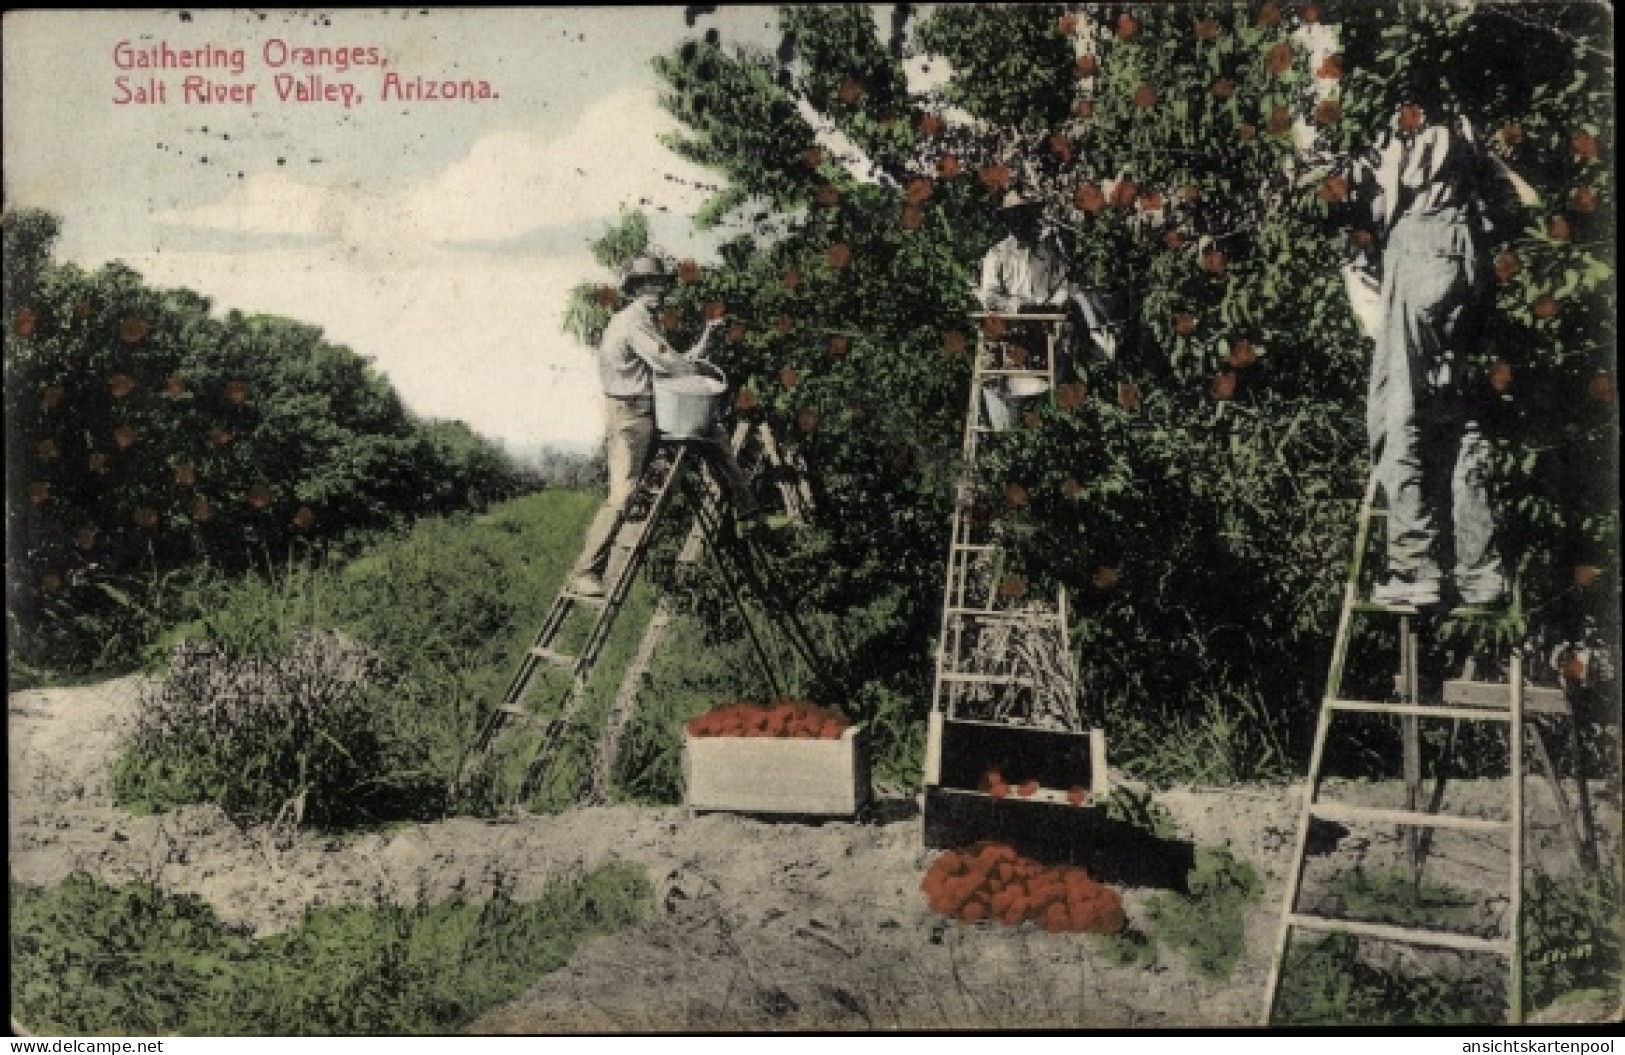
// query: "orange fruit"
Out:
[792,279]
[1128,395]
[1066,25]
[826,195]
[1070,487]
[174,385]
[1558,229]
[1127,26]
[1184,324]
[1584,145]
[1145,96]
[784,324]
[123,437]
[1076,795]
[1089,198]
[1213,262]
[1223,87]
[1331,67]
[807,421]
[1224,386]
[1269,15]
[1027,789]
[852,90]
[1279,121]
[953,342]
[919,192]
[120,385]
[259,496]
[715,310]
[931,126]
[1242,355]
[1071,394]
[1411,117]
[1585,575]
[995,177]
[133,329]
[913,218]
[688,271]
[1061,147]
[1334,189]
[948,167]
[670,320]
[736,333]
[1086,65]
[1328,112]
[840,254]
[200,509]
[1015,495]
[39,492]
[51,396]
[837,347]
[303,518]
[1207,29]
[1105,578]
[1583,199]
[1601,388]
[1501,376]
[1084,108]
[788,377]
[85,538]
[812,157]
[146,518]
[1279,58]
[606,296]
[1012,586]
[1507,265]
[745,400]
[1544,307]
[46,450]
[1245,131]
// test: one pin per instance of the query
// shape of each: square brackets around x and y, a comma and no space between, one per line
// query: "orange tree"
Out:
[1197,493]
[146,435]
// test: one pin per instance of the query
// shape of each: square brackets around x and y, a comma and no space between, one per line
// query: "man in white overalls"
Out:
[1431,186]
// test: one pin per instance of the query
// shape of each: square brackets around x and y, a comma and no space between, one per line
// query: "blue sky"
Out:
[436,238]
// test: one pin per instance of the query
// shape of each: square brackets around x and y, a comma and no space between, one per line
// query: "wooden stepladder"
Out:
[670,469]
[1005,690]
[1512,703]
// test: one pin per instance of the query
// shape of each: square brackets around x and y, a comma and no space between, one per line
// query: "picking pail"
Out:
[686,408]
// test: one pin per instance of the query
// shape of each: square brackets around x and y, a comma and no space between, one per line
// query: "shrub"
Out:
[258,734]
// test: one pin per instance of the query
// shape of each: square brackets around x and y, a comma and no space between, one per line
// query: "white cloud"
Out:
[469,336]
[512,181]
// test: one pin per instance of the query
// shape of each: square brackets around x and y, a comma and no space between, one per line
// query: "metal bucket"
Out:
[687,408]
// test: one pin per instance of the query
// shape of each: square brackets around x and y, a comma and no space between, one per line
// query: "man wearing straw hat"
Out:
[1027,271]
[630,354]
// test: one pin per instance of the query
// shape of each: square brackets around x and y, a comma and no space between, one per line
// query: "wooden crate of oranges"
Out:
[787,757]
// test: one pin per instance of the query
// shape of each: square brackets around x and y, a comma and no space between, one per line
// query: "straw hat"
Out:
[646,271]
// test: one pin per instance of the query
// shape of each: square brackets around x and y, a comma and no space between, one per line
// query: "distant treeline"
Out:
[145,434]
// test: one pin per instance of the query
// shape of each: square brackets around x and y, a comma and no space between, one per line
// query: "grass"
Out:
[90,958]
[1209,923]
[1571,952]
[447,608]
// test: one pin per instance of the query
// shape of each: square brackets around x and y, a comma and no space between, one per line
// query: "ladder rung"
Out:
[1014,373]
[994,613]
[590,602]
[1489,695]
[557,658]
[1334,811]
[979,547]
[987,679]
[1407,935]
[1374,608]
[1423,710]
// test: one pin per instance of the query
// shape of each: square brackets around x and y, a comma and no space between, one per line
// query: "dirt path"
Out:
[757,925]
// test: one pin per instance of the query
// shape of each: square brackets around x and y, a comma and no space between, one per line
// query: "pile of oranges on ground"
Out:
[994,784]
[783,718]
[990,881]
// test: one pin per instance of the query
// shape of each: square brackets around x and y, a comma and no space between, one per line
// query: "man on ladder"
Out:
[630,354]
[1434,191]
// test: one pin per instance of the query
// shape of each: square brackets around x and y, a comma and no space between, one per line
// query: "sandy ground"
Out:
[757,926]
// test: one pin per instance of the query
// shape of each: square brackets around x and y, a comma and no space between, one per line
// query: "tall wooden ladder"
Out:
[759,456]
[668,472]
[1003,658]
[1512,703]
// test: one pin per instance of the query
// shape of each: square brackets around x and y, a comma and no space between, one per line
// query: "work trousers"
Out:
[1427,449]
[631,441]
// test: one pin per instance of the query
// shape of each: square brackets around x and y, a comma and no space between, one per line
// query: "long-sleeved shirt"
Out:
[632,351]
[1440,171]
[1015,276]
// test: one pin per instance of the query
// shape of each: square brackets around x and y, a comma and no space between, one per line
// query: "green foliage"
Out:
[1198,502]
[257,734]
[149,435]
[1389,897]
[1209,922]
[1572,938]
[89,958]
[1328,984]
